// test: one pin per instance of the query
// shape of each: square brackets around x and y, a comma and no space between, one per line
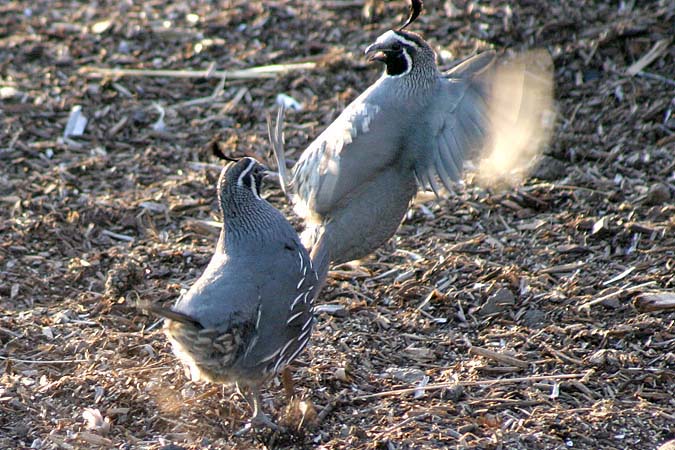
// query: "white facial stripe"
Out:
[244,173]
[391,35]
[254,188]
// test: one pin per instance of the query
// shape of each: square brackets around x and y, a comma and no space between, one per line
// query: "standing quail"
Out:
[250,312]
[413,125]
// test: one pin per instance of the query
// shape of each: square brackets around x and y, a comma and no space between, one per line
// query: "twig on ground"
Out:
[657,50]
[433,387]
[118,236]
[622,290]
[496,356]
[215,96]
[32,361]
[330,406]
[656,76]
[399,425]
[269,71]
[620,276]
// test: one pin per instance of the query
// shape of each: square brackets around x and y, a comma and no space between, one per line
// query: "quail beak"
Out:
[375,52]
[270,176]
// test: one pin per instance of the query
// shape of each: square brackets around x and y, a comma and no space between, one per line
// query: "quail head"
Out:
[250,312]
[412,127]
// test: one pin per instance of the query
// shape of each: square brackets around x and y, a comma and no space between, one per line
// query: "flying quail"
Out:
[414,125]
[250,312]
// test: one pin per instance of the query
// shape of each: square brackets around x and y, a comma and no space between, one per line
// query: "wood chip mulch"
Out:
[539,317]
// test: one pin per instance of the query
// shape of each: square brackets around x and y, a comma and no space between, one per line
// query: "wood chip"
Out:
[655,301]
[496,356]
[655,52]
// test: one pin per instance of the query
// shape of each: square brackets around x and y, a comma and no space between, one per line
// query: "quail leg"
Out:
[287,383]
[259,419]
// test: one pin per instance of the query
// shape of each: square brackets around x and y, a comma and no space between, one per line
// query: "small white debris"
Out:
[419,393]
[341,374]
[159,125]
[95,420]
[427,212]
[8,92]
[336,310]
[101,27]
[99,392]
[148,350]
[288,102]
[76,123]
[446,56]
[47,332]
[192,18]
[555,392]
[63,316]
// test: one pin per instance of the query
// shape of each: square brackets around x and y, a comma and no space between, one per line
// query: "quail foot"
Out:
[415,126]
[250,312]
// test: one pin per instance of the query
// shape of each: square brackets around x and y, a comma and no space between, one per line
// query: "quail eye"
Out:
[396,46]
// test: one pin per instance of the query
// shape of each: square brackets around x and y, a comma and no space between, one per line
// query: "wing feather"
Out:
[359,145]
[459,119]
[448,145]
[442,166]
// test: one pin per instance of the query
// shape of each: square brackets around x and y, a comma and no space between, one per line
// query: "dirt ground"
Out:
[523,311]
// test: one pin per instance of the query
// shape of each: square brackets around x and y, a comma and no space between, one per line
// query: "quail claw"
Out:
[259,419]
[258,422]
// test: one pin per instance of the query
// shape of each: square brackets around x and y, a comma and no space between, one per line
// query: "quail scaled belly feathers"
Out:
[412,127]
[250,312]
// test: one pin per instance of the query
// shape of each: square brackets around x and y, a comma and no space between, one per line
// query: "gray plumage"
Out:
[250,312]
[414,127]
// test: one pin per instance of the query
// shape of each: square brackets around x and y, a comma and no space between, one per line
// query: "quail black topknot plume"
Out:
[412,127]
[250,312]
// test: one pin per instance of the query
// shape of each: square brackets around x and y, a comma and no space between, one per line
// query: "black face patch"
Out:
[396,62]
[257,179]
[253,181]
[251,177]
[248,181]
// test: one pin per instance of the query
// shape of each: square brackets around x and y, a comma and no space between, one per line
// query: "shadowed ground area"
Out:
[528,313]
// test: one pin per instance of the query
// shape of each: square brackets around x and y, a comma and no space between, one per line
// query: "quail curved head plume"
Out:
[250,312]
[412,127]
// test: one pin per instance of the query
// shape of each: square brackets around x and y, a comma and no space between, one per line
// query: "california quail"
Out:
[412,126]
[250,312]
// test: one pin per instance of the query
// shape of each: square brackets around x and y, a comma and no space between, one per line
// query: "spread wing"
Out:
[456,123]
[433,135]
[354,149]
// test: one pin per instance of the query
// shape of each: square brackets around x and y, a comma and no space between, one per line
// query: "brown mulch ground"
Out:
[485,287]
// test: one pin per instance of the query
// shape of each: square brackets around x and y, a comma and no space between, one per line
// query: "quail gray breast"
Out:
[250,312]
[412,127]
